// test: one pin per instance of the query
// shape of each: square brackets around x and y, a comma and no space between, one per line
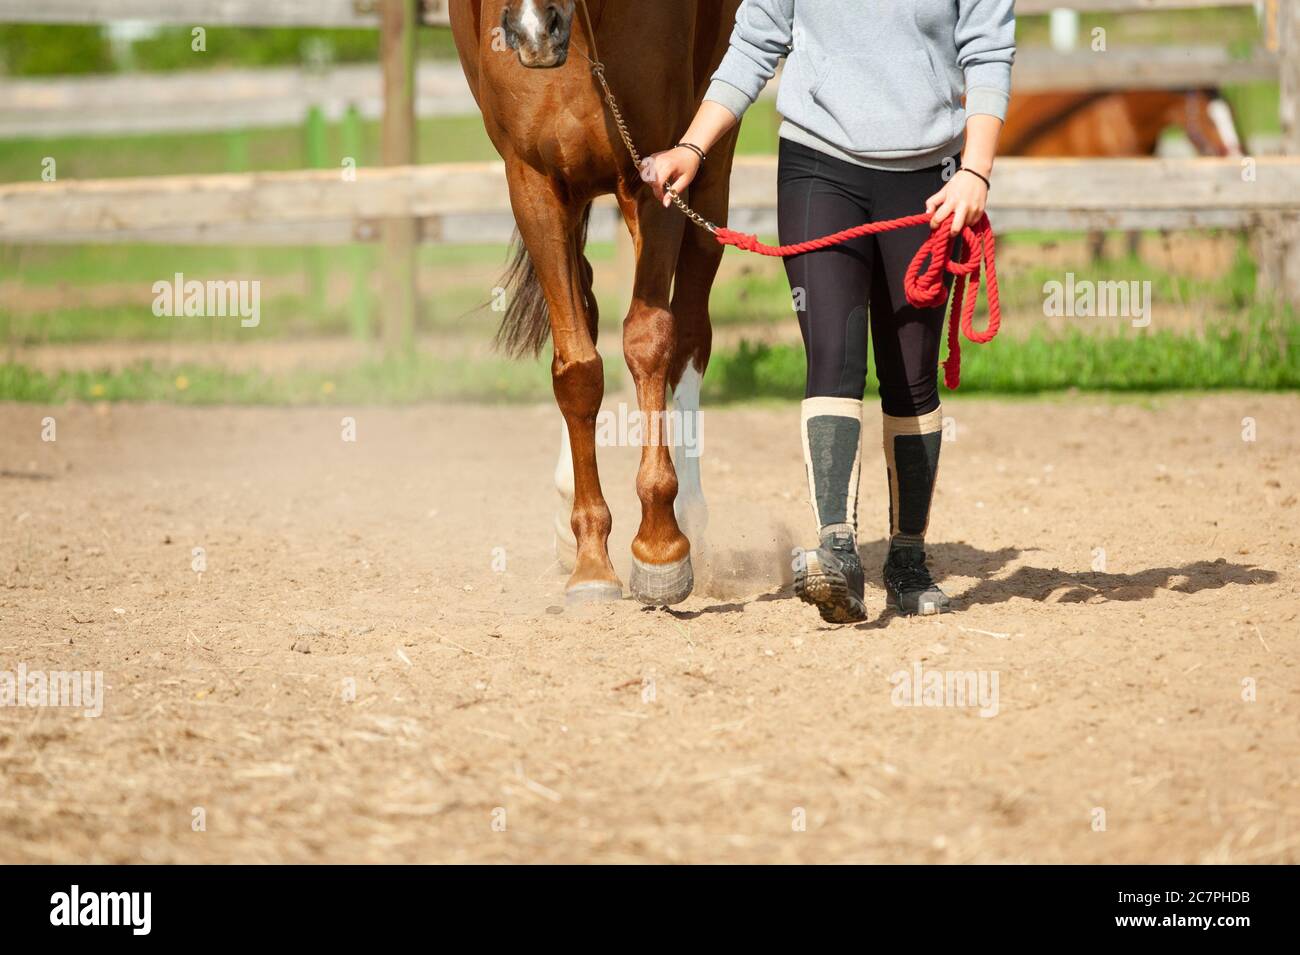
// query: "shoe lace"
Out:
[845,549]
[908,572]
[841,543]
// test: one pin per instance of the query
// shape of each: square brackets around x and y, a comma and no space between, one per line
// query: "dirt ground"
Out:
[354,677]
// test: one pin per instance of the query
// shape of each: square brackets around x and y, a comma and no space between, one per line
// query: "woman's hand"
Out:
[676,167]
[963,197]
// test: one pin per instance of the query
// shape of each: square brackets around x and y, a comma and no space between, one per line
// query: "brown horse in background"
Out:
[528,63]
[1117,124]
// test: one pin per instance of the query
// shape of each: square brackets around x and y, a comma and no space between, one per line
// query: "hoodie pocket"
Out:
[882,102]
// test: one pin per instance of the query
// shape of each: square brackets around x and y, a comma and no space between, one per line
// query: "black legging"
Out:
[819,194]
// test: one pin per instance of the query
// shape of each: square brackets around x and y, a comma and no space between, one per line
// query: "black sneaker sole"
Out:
[828,591]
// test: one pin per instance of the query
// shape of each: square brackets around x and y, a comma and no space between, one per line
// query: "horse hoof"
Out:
[662,585]
[593,591]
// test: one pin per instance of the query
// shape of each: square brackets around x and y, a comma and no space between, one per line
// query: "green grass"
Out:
[440,139]
[271,149]
[755,295]
[1260,353]
[290,307]
[1257,107]
[391,381]
[763,294]
[52,50]
[1232,291]
[96,264]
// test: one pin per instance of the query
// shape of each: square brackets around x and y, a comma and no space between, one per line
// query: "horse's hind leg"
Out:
[552,233]
[661,554]
[566,544]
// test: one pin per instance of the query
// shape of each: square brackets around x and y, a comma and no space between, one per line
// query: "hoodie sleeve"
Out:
[760,39]
[986,47]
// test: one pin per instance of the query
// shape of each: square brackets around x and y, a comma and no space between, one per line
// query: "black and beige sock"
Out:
[912,464]
[832,450]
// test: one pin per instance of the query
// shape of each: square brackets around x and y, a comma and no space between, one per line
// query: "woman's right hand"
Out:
[676,168]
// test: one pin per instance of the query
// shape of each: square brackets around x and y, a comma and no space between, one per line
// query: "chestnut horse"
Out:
[528,63]
[1117,124]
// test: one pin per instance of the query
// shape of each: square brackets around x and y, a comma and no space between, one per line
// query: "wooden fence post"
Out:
[316,153]
[1279,239]
[398,23]
[1288,43]
[359,255]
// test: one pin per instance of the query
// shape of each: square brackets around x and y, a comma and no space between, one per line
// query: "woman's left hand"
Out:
[963,197]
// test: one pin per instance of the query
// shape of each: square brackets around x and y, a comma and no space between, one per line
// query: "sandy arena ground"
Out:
[492,724]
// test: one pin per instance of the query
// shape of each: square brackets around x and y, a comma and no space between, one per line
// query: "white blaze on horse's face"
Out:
[1225,124]
[538,31]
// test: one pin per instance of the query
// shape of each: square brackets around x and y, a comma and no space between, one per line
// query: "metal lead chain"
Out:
[598,70]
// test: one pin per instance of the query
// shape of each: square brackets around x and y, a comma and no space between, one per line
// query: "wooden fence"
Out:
[248,13]
[1130,67]
[468,203]
[207,100]
[405,204]
[1032,194]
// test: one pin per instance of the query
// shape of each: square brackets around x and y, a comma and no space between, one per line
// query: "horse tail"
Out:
[527,322]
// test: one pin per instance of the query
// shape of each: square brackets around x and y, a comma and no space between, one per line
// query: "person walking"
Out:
[887,107]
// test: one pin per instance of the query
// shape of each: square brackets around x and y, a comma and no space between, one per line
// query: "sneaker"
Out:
[908,584]
[830,579]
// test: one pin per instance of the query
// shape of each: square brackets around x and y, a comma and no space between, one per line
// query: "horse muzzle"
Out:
[538,31]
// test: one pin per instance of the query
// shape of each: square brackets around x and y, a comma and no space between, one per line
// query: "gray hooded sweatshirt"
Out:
[874,82]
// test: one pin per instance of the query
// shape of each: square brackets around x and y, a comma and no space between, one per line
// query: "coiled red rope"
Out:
[924,289]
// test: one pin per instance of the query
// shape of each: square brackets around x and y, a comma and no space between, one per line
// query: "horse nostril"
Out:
[508,29]
[556,28]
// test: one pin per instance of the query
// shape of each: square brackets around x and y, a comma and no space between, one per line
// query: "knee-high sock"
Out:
[912,464]
[832,450]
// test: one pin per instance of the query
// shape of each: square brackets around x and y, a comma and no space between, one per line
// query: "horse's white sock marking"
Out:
[690,508]
[566,545]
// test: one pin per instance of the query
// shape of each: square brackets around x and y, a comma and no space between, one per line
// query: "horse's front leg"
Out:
[552,232]
[661,554]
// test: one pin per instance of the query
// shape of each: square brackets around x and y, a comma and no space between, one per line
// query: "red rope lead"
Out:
[924,289]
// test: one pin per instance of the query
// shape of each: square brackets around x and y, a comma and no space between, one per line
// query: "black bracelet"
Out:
[693,148]
[987,184]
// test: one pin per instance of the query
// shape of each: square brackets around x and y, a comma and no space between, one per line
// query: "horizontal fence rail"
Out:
[466,202]
[1032,7]
[200,100]
[1132,68]
[206,100]
[365,13]
[248,13]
